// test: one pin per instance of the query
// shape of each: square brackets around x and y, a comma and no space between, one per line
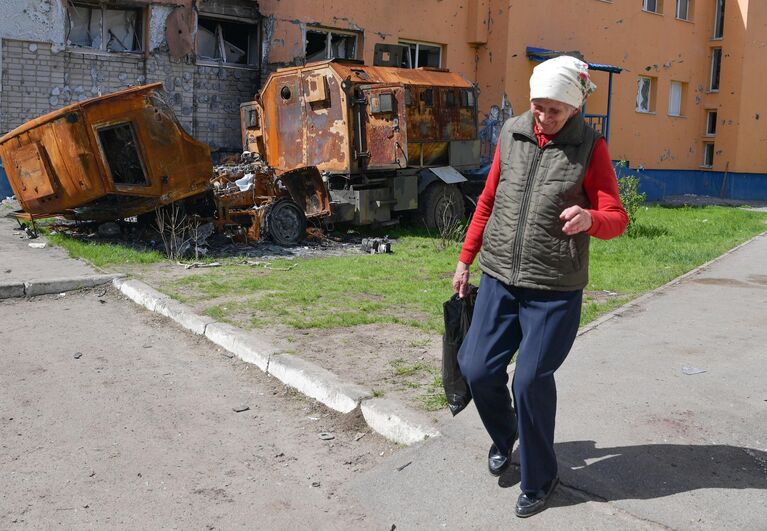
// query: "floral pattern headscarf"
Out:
[564,79]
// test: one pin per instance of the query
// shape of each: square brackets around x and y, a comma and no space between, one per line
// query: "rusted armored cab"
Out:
[387,140]
[105,158]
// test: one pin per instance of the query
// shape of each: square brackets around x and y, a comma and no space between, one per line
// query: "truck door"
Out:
[384,126]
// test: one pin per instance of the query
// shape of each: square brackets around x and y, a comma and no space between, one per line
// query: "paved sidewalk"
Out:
[641,444]
[22,263]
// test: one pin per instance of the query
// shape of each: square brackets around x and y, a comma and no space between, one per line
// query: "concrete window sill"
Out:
[652,113]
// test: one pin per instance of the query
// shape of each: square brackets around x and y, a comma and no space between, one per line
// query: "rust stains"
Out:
[105,158]
[253,202]
[345,117]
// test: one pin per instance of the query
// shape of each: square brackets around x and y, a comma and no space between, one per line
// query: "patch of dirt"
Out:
[395,361]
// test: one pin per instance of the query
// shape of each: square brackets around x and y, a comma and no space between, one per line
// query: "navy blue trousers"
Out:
[542,325]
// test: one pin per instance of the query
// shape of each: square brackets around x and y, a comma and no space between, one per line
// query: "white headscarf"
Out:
[562,78]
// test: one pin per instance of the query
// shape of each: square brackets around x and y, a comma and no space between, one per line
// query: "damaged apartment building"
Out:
[206,54]
[678,79]
[211,55]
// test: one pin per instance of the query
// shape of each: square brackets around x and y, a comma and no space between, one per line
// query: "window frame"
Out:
[716,67]
[139,31]
[711,131]
[253,47]
[719,19]
[106,154]
[650,99]
[658,6]
[329,41]
[682,93]
[708,154]
[418,44]
[688,11]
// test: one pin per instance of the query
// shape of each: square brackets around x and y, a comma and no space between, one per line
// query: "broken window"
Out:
[467,98]
[322,43]
[708,154]
[716,69]
[120,149]
[710,123]
[448,98]
[427,96]
[227,42]
[719,19]
[645,101]
[104,28]
[421,54]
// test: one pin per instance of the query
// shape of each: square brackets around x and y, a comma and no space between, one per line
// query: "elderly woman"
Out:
[550,188]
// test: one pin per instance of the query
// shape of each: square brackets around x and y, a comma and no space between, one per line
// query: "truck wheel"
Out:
[441,206]
[285,223]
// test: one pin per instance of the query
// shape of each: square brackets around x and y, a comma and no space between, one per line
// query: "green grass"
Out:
[410,285]
[668,243]
[104,254]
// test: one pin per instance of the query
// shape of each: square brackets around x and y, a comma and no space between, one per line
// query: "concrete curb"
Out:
[36,288]
[10,290]
[248,347]
[395,422]
[390,418]
[642,298]
[318,383]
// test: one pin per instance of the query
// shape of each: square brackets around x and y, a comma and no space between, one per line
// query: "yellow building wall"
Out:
[751,149]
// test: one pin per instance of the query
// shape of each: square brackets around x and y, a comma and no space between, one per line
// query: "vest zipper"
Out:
[521,222]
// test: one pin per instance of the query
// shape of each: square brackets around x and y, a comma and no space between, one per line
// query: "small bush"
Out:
[632,199]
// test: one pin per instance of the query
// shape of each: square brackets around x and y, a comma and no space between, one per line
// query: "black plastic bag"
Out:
[458,314]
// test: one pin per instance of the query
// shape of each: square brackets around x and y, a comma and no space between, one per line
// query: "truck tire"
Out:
[440,206]
[285,222]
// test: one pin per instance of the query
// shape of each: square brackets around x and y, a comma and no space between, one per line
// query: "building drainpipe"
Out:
[609,105]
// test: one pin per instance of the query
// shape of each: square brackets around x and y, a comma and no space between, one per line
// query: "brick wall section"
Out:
[37,80]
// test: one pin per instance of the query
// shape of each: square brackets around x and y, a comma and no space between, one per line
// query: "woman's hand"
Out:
[461,279]
[576,220]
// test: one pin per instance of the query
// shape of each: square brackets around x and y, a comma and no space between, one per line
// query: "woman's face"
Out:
[551,115]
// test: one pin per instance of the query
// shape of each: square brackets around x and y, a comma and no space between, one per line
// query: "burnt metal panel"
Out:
[326,124]
[36,182]
[176,164]
[325,121]
[385,130]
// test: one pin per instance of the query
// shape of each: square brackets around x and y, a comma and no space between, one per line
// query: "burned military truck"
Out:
[386,140]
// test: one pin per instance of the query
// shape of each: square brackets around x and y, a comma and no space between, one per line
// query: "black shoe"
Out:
[530,504]
[497,461]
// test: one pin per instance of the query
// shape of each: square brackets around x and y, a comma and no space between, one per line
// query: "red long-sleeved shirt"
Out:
[608,217]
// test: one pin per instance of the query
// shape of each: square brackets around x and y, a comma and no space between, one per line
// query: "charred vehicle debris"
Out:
[329,142]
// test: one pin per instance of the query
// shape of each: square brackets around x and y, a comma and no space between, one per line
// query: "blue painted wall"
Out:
[658,184]
[5,186]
